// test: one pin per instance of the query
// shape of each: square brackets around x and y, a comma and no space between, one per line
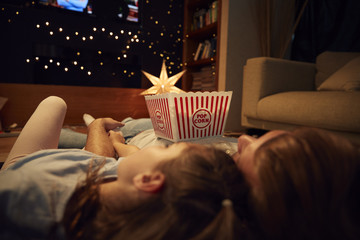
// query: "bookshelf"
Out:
[201,44]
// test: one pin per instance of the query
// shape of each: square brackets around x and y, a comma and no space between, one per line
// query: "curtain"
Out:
[276,22]
[327,25]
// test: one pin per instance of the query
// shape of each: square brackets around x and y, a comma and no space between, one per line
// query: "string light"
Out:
[131,39]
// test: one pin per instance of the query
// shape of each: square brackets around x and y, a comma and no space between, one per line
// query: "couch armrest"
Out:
[264,76]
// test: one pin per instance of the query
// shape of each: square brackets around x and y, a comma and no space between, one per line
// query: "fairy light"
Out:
[153,41]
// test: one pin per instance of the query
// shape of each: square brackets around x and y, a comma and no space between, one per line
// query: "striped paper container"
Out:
[187,116]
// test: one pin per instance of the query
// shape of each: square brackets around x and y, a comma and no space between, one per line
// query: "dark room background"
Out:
[327,25]
[43,44]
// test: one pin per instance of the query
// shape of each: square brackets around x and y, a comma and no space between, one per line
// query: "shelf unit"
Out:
[192,38]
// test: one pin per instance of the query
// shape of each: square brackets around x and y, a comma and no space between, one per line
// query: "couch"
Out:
[285,94]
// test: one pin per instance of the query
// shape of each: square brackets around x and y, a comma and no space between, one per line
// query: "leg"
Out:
[42,130]
[135,126]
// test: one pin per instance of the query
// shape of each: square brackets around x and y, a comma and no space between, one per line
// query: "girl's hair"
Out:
[190,205]
[309,187]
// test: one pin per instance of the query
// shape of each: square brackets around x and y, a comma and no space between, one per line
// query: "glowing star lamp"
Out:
[163,84]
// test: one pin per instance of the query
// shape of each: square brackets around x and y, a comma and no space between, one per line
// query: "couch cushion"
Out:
[346,78]
[328,63]
[334,110]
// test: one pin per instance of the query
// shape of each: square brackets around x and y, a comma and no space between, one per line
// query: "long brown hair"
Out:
[309,187]
[189,206]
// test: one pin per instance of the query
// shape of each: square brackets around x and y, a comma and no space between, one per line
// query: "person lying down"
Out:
[140,133]
[181,191]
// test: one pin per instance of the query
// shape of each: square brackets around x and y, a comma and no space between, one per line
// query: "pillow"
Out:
[329,62]
[346,78]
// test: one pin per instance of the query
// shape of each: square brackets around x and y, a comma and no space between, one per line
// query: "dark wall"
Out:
[34,52]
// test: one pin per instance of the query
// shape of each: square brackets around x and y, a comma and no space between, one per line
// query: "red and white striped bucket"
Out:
[187,116]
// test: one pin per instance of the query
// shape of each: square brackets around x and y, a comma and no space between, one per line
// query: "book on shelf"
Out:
[205,49]
[199,51]
[204,79]
[205,16]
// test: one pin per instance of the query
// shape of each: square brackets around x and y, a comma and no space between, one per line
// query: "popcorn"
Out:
[188,116]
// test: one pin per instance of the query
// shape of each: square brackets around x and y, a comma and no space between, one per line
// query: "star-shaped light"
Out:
[163,84]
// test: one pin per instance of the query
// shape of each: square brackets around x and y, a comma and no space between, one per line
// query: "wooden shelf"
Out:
[201,62]
[193,4]
[192,39]
[206,31]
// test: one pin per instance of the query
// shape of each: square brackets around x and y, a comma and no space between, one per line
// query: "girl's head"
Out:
[186,200]
[304,185]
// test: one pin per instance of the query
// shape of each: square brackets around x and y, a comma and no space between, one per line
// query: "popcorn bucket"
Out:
[188,116]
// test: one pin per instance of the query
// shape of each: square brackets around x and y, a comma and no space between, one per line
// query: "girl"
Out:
[181,192]
[305,184]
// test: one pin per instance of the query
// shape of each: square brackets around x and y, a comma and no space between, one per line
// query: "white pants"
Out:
[42,130]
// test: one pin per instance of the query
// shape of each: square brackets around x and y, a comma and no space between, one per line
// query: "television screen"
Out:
[126,10]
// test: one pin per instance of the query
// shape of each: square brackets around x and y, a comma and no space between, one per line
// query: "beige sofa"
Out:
[285,94]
